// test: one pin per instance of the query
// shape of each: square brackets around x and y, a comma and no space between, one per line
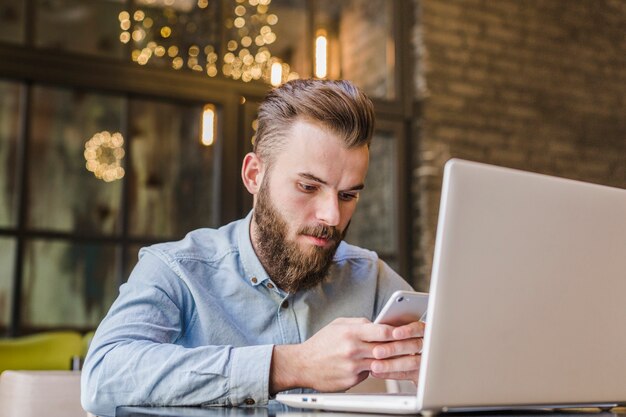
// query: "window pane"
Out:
[84,26]
[292,35]
[7,260]
[67,284]
[367,27]
[132,257]
[12,21]
[9,131]
[63,194]
[374,222]
[173,174]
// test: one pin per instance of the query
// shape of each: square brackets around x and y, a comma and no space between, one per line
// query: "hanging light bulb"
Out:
[277,74]
[321,55]
[209,125]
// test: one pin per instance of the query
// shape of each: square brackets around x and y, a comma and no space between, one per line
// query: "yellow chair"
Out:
[43,351]
[87,337]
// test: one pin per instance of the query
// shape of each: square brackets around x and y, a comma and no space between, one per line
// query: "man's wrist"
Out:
[285,369]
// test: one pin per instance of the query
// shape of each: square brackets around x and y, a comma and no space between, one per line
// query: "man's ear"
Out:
[252,172]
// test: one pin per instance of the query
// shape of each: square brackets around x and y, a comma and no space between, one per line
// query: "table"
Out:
[275,409]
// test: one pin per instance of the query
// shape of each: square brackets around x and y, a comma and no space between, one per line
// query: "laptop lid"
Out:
[528,292]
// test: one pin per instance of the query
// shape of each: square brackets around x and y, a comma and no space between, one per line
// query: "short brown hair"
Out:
[339,106]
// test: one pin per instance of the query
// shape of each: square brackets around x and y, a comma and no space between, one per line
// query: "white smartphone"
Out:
[404,307]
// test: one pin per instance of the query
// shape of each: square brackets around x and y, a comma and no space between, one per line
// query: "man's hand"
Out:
[334,359]
[344,353]
[401,358]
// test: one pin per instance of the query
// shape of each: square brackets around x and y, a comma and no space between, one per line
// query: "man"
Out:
[269,303]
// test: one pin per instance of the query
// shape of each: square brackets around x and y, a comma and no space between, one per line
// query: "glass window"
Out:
[12,21]
[84,26]
[292,35]
[132,257]
[9,132]
[173,173]
[367,27]
[63,194]
[67,284]
[374,224]
[7,261]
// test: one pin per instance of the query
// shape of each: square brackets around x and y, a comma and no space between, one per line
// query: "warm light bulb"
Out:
[208,125]
[276,74]
[321,53]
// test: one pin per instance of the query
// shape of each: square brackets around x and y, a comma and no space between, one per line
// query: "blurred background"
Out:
[124,122]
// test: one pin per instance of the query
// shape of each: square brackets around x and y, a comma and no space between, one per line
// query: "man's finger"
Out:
[372,332]
[405,363]
[415,329]
[401,347]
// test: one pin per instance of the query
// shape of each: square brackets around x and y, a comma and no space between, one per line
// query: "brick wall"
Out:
[531,84]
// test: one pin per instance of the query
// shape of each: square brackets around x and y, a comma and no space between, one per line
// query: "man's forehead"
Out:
[310,147]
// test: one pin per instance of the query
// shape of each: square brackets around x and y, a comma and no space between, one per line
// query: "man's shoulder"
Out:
[353,258]
[204,245]
[347,251]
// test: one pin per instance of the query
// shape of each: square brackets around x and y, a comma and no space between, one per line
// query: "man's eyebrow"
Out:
[312,177]
[321,181]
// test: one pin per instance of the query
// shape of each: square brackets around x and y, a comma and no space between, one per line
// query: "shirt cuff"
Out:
[250,374]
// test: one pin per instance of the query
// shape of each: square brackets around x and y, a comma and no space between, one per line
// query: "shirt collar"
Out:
[255,273]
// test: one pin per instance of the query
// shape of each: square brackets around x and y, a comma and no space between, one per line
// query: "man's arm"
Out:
[344,353]
[136,357]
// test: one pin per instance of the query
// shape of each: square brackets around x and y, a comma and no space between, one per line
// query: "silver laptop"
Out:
[527,298]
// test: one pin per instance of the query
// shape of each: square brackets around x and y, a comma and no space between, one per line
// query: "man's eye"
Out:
[348,196]
[307,188]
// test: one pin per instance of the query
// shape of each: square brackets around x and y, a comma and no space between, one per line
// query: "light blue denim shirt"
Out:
[197,321]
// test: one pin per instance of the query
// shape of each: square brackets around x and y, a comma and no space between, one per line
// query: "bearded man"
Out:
[273,302]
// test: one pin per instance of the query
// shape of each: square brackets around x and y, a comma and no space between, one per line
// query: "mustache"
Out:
[322,232]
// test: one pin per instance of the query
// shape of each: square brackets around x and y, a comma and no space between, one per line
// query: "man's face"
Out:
[305,203]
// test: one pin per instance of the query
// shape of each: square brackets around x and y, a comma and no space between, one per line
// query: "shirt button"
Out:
[270,285]
[249,401]
[285,304]
[254,280]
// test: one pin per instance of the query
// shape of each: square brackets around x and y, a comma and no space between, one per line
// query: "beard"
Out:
[290,267]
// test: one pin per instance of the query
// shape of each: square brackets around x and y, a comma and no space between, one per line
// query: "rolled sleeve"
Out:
[250,373]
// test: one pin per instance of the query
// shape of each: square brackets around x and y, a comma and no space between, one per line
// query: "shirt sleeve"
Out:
[134,358]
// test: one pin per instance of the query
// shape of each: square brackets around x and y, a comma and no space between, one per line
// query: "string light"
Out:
[250,35]
[173,33]
[104,153]
[177,34]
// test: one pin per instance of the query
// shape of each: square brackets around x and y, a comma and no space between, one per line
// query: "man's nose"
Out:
[328,209]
